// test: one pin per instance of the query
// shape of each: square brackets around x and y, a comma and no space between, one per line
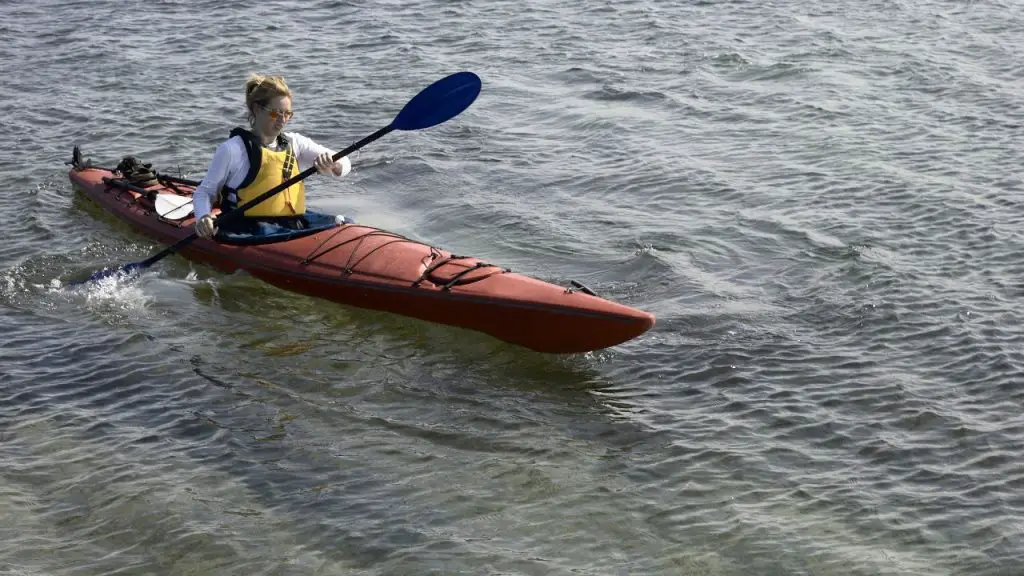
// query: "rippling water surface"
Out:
[821,202]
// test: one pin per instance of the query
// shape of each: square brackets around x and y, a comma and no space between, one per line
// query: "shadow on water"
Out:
[281,324]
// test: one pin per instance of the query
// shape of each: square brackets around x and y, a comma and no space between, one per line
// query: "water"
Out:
[820,203]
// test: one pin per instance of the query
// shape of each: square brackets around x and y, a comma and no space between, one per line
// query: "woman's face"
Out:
[271,117]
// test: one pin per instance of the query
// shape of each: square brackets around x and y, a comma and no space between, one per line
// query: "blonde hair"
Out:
[260,89]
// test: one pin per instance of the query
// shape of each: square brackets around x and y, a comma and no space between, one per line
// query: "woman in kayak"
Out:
[251,162]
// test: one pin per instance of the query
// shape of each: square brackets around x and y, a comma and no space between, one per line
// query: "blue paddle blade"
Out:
[439,102]
[126,270]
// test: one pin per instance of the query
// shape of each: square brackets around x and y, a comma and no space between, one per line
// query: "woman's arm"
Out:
[306,151]
[217,174]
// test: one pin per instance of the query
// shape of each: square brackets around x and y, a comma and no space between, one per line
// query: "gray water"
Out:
[821,202]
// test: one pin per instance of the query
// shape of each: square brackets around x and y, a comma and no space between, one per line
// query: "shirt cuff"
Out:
[346,167]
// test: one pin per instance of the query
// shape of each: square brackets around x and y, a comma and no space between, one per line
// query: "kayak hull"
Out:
[371,268]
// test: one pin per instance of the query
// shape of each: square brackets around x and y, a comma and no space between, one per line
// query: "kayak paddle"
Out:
[437,103]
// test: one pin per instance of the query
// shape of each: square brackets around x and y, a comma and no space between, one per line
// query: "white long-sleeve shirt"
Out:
[230,165]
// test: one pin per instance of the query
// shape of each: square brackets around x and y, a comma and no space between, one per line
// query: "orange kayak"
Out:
[367,267]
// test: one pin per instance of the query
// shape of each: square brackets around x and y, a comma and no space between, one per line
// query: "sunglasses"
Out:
[278,114]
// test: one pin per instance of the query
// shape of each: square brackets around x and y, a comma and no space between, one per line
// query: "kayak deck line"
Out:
[435,254]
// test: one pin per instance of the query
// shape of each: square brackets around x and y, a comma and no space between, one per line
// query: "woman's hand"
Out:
[205,227]
[325,164]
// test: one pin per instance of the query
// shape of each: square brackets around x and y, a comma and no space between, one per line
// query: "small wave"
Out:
[777,71]
[613,94]
[729,59]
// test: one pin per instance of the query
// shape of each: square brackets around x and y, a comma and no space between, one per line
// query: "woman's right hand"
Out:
[205,227]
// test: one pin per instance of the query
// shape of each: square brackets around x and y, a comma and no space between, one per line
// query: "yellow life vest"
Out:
[268,169]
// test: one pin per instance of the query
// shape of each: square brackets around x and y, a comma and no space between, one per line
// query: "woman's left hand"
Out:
[325,164]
